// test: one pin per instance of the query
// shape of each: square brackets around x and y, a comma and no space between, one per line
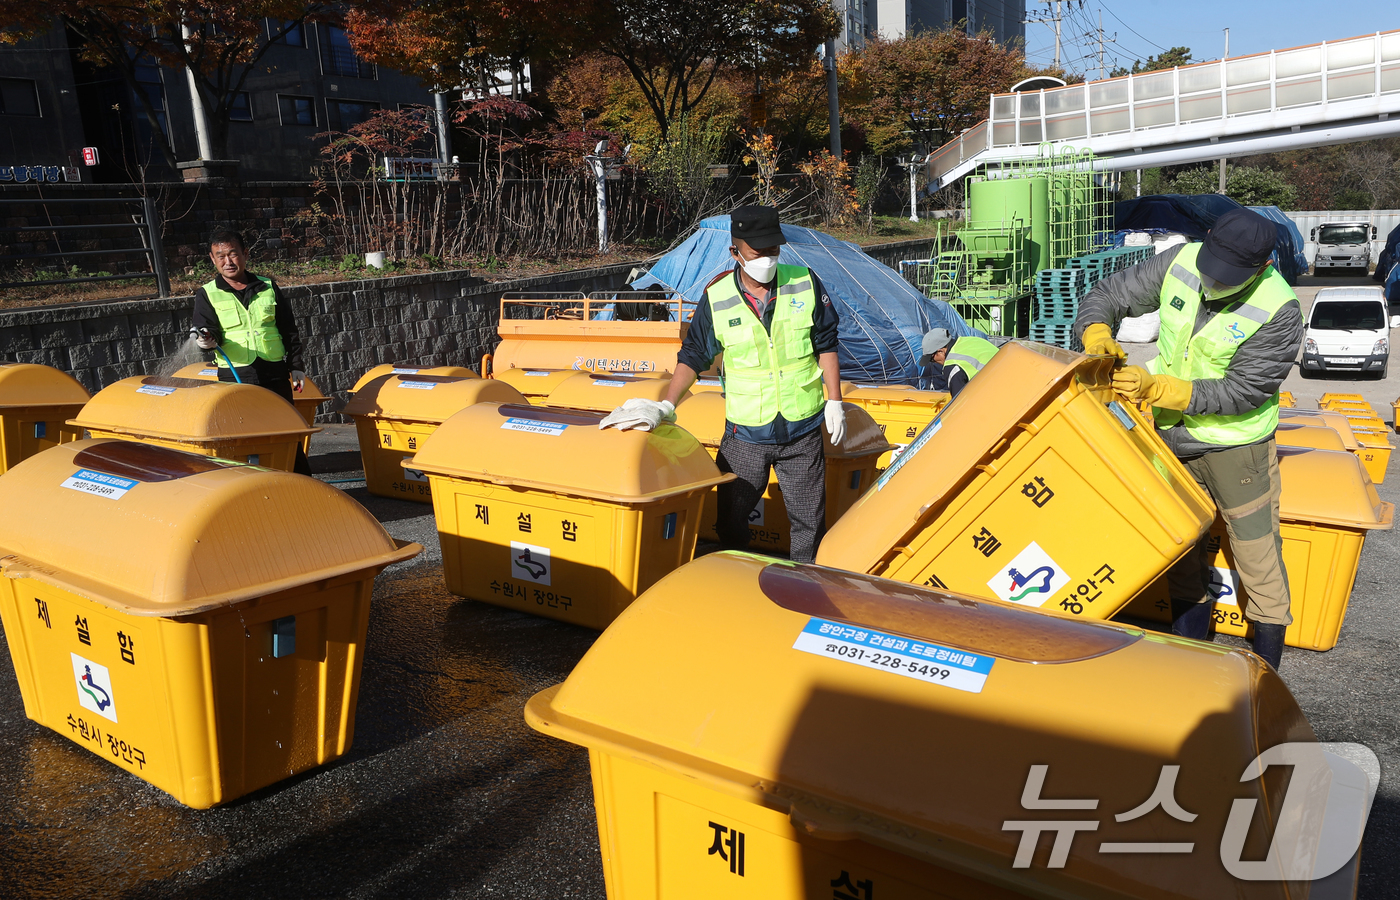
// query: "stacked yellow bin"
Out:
[1038,485]
[395,414]
[1373,451]
[901,411]
[606,391]
[1285,399]
[198,624]
[395,369]
[1370,430]
[238,422]
[850,470]
[724,716]
[306,402]
[540,510]
[36,403]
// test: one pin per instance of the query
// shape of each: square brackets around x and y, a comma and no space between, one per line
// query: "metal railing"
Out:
[601,306]
[146,223]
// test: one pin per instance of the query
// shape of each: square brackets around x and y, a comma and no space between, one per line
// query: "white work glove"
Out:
[204,340]
[643,415]
[298,380]
[836,421]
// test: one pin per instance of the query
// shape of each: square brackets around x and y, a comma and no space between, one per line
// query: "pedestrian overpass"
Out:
[1329,93]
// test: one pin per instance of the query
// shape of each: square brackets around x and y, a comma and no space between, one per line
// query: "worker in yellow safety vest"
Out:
[954,365]
[1231,330]
[777,330]
[244,319]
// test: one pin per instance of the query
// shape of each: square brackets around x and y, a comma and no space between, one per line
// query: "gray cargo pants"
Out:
[801,468]
[1244,482]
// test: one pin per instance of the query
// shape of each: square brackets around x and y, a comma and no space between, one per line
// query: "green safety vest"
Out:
[970,354]
[249,332]
[1206,354]
[768,374]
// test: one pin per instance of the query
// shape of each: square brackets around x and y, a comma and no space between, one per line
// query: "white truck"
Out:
[1343,245]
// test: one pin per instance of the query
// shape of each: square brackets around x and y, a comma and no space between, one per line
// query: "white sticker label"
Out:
[155,390]
[709,382]
[413,474]
[533,373]
[94,687]
[908,452]
[608,382]
[756,517]
[529,562]
[900,655]
[534,426]
[99,484]
[209,371]
[1224,586]
[1030,579]
[398,371]
[418,385]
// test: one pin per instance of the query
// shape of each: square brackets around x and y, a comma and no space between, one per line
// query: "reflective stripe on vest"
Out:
[970,354]
[249,332]
[1185,353]
[764,374]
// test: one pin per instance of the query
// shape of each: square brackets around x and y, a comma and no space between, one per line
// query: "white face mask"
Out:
[762,269]
[1214,290]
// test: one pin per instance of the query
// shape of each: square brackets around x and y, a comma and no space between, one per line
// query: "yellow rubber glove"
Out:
[1162,391]
[1098,341]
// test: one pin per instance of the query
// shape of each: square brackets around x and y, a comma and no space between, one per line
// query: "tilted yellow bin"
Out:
[850,470]
[307,401]
[238,422]
[1038,485]
[1285,399]
[901,411]
[396,369]
[1395,415]
[759,730]
[198,624]
[36,403]
[541,511]
[395,414]
[606,391]
[534,384]
[1327,508]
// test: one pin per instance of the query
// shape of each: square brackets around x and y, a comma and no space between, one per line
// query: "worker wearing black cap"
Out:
[777,328]
[1231,329]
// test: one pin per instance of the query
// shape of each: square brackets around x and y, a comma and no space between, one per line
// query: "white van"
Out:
[1348,331]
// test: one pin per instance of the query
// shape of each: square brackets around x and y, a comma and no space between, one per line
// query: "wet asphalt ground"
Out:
[447,793]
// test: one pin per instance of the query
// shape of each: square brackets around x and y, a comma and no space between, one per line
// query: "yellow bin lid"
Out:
[563,451]
[426,398]
[606,391]
[1334,420]
[757,677]
[703,416]
[206,372]
[186,409]
[26,384]
[152,531]
[396,369]
[1318,437]
[1330,487]
[895,393]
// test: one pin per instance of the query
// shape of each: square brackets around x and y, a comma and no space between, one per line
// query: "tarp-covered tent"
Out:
[883,317]
[1385,263]
[1194,214]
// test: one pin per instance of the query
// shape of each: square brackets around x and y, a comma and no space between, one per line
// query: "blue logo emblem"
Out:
[1235,332]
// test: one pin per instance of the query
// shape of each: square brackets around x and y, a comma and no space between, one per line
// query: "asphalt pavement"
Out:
[447,793]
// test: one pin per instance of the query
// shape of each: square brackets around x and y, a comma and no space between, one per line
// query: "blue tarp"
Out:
[1289,257]
[1194,214]
[883,317]
[1392,288]
[1385,263]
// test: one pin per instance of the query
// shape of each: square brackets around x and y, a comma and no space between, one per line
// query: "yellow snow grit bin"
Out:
[1038,485]
[1285,399]
[534,384]
[542,511]
[306,402]
[238,422]
[850,471]
[1328,506]
[1318,437]
[36,403]
[574,332]
[1334,396]
[606,391]
[397,369]
[761,729]
[901,411]
[198,623]
[1374,456]
[395,414]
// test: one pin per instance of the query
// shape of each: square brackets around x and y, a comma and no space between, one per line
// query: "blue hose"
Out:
[221,352]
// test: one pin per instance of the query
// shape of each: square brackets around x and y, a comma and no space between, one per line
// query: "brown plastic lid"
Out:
[26,384]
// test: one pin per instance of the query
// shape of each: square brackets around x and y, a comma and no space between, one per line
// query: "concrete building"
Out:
[892,19]
[53,104]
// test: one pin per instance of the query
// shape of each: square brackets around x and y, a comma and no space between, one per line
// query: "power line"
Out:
[1133,30]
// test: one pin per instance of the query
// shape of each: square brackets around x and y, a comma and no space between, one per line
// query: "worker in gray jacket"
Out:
[1231,329]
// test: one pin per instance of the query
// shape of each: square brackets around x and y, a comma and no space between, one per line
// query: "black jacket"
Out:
[204,316]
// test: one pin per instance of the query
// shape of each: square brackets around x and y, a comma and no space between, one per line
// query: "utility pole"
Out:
[833,106]
[1222,81]
[1103,40]
[201,121]
[1052,16]
[913,164]
[601,163]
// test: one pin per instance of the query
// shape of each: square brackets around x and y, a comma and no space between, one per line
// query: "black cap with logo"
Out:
[1238,244]
[757,226]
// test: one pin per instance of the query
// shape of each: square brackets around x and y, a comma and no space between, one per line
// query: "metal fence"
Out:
[145,222]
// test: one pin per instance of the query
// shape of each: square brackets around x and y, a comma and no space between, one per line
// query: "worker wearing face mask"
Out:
[777,328]
[1231,329]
